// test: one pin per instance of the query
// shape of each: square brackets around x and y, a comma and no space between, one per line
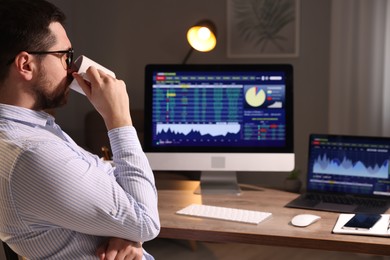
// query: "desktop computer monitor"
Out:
[220,120]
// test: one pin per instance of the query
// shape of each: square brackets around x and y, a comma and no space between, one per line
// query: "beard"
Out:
[47,97]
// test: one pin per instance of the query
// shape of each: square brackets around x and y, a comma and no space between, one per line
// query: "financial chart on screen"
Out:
[219,119]
[349,164]
[219,109]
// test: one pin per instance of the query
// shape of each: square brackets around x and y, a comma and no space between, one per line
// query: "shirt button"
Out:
[113,212]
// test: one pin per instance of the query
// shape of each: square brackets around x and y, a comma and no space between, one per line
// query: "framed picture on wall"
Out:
[263,28]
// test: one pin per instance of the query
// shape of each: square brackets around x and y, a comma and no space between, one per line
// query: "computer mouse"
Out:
[304,220]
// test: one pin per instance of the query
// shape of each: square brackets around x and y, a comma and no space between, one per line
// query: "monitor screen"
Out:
[344,164]
[219,117]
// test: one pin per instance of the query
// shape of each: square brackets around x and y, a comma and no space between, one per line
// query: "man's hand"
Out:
[118,249]
[108,95]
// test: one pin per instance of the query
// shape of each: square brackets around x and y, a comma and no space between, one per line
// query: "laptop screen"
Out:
[349,165]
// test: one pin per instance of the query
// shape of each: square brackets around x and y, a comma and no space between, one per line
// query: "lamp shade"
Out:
[202,36]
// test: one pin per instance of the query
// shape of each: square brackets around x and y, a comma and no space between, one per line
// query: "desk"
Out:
[275,231]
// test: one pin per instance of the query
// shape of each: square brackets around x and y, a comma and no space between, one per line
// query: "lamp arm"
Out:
[188,55]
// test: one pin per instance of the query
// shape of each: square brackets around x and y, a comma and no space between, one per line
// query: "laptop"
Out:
[348,174]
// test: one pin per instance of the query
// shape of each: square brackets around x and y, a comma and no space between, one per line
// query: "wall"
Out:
[2,254]
[127,35]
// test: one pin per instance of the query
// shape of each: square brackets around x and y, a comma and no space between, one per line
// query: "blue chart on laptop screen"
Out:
[217,109]
[353,166]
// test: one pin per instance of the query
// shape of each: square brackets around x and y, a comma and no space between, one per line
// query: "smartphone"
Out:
[362,221]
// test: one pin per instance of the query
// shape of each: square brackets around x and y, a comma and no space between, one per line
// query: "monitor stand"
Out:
[218,182]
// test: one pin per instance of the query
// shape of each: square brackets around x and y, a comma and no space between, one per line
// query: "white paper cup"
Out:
[82,63]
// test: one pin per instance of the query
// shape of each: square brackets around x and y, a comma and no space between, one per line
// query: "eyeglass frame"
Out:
[69,55]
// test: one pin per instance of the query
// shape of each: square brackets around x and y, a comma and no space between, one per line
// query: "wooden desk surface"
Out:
[276,231]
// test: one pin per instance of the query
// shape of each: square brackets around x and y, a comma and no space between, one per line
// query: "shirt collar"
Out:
[29,116]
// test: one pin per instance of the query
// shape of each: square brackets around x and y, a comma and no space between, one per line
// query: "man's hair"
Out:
[24,26]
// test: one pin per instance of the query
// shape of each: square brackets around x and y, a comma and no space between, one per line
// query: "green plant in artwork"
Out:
[261,21]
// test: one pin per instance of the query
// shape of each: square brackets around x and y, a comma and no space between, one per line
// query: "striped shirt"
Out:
[58,201]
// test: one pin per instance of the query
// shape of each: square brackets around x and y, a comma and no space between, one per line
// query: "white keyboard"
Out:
[231,214]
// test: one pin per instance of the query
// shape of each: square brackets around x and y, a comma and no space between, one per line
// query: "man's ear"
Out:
[25,65]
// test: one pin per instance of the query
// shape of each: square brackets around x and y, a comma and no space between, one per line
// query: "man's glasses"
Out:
[68,53]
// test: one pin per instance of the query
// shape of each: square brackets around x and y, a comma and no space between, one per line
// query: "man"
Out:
[58,201]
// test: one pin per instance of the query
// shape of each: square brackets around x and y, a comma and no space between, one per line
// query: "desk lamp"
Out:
[201,37]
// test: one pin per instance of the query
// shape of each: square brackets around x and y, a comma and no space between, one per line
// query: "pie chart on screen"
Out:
[255,96]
